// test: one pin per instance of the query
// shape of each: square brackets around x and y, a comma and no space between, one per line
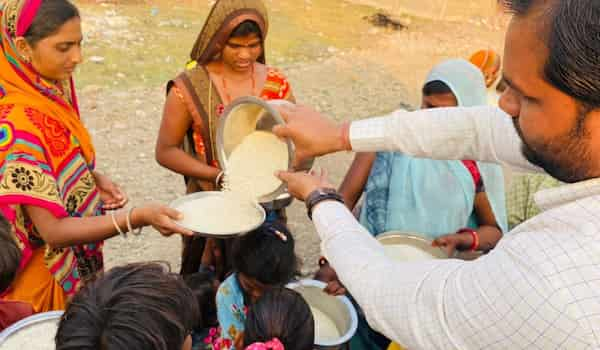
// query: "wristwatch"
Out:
[319,195]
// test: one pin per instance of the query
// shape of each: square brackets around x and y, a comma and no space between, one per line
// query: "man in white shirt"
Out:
[540,287]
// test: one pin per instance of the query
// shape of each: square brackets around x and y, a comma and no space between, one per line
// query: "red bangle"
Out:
[473,234]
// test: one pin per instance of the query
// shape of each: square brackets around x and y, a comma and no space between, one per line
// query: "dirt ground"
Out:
[372,76]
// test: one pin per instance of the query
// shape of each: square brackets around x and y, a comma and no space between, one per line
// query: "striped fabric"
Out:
[41,164]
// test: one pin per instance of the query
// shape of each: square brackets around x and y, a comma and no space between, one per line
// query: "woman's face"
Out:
[56,56]
[241,52]
[439,101]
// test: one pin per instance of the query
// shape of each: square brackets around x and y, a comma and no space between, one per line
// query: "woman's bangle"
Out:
[137,231]
[475,236]
[114,221]
[219,178]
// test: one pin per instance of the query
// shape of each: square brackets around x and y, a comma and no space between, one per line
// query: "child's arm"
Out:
[356,178]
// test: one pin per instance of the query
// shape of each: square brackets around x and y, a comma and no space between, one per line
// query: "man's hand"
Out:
[301,184]
[313,134]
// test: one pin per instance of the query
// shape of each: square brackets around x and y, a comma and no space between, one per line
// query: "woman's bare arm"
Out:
[175,123]
[69,231]
[489,231]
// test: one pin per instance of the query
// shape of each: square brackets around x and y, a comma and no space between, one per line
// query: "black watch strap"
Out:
[319,195]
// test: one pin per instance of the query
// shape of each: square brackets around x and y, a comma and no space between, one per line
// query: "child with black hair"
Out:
[141,306]
[280,319]
[10,259]
[204,285]
[262,259]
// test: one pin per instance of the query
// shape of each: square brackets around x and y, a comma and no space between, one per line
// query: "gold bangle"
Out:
[114,221]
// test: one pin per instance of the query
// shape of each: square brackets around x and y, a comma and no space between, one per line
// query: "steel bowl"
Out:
[338,308]
[412,239]
[13,330]
[261,116]
[190,197]
[282,201]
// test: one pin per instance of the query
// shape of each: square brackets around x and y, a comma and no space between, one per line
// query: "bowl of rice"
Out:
[408,247]
[336,320]
[249,152]
[34,332]
[219,214]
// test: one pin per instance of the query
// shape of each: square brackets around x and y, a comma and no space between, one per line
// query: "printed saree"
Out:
[46,160]
[433,197]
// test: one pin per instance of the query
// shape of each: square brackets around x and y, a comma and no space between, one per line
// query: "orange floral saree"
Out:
[46,160]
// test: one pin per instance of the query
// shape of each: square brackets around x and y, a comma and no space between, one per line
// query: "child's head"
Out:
[10,255]
[137,307]
[280,314]
[204,285]
[264,258]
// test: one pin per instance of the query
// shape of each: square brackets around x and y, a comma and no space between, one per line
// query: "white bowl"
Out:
[13,330]
[396,238]
[226,234]
[338,308]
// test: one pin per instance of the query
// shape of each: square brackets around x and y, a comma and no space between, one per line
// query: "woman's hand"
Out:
[162,218]
[456,241]
[111,194]
[301,184]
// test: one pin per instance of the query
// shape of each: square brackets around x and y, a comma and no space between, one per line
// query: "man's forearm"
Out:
[479,133]
[384,289]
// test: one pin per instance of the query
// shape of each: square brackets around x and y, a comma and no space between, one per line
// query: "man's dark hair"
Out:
[283,314]
[51,15]
[571,29]
[10,255]
[136,307]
